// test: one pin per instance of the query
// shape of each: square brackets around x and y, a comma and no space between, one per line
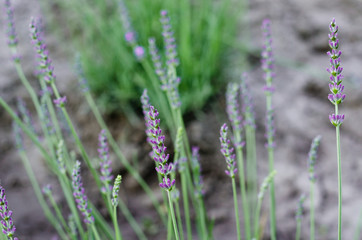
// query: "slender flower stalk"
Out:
[336,97]
[232,105]
[267,66]
[105,164]
[229,155]
[161,158]
[6,217]
[298,216]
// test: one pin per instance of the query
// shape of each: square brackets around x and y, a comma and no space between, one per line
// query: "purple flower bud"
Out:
[336,120]
[167,183]
[60,102]
[130,37]
[8,227]
[227,151]
[105,162]
[47,189]
[139,52]
[312,156]
[79,194]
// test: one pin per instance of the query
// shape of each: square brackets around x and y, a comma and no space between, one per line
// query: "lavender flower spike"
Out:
[79,194]
[105,163]
[227,151]
[232,108]
[247,100]
[267,62]
[5,214]
[157,63]
[11,33]
[115,191]
[312,157]
[336,96]
[157,141]
[169,39]
[45,62]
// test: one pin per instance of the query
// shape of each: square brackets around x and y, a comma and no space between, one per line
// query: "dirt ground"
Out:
[300,38]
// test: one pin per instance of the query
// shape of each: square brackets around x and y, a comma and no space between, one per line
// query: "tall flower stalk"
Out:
[336,97]
[311,162]
[229,155]
[267,66]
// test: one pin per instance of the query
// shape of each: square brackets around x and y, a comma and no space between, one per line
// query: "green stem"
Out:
[339,179]
[115,224]
[58,213]
[173,216]
[252,172]
[235,195]
[312,225]
[95,232]
[239,155]
[202,217]
[179,220]
[256,219]
[359,226]
[299,226]
[185,200]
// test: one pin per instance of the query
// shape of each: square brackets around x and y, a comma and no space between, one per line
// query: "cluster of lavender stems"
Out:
[267,63]
[105,164]
[6,216]
[336,97]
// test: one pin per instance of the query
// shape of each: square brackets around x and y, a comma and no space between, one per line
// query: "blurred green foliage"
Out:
[202,29]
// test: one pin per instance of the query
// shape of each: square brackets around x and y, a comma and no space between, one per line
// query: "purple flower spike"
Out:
[336,120]
[130,35]
[18,136]
[105,163]
[60,102]
[232,106]
[270,129]
[247,99]
[10,31]
[227,151]
[82,80]
[157,141]
[157,63]
[5,214]
[169,39]
[45,63]
[267,61]
[336,96]
[312,156]
[79,195]
[115,191]
[196,173]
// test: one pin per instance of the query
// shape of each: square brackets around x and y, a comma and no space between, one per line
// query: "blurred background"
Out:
[216,44]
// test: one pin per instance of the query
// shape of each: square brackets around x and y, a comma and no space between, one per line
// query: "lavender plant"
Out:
[267,66]
[299,215]
[336,97]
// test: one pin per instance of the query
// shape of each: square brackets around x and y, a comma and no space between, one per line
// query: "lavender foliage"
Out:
[336,96]
[228,152]
[79,194]
[106,170]
[6,216]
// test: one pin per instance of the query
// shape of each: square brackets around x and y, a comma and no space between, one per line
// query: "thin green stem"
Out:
[115,224]
[58,213]
[312,225]
[236,208]
[239,155]
[339,178]
[202,217]
[173,216]
[179,220]
[256,219]
[299,226]
[358,228]
[252,175]
[185,200]
[95,232]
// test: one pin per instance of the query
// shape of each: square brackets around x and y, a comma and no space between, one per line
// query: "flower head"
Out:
[61,101]
[115,191]
[105,163]
[79,194]
[83,82]
[160,70]
[300,209]
[247,99]
[169,39]
[5,214]
[228,152]
[312,157]
[267,61]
